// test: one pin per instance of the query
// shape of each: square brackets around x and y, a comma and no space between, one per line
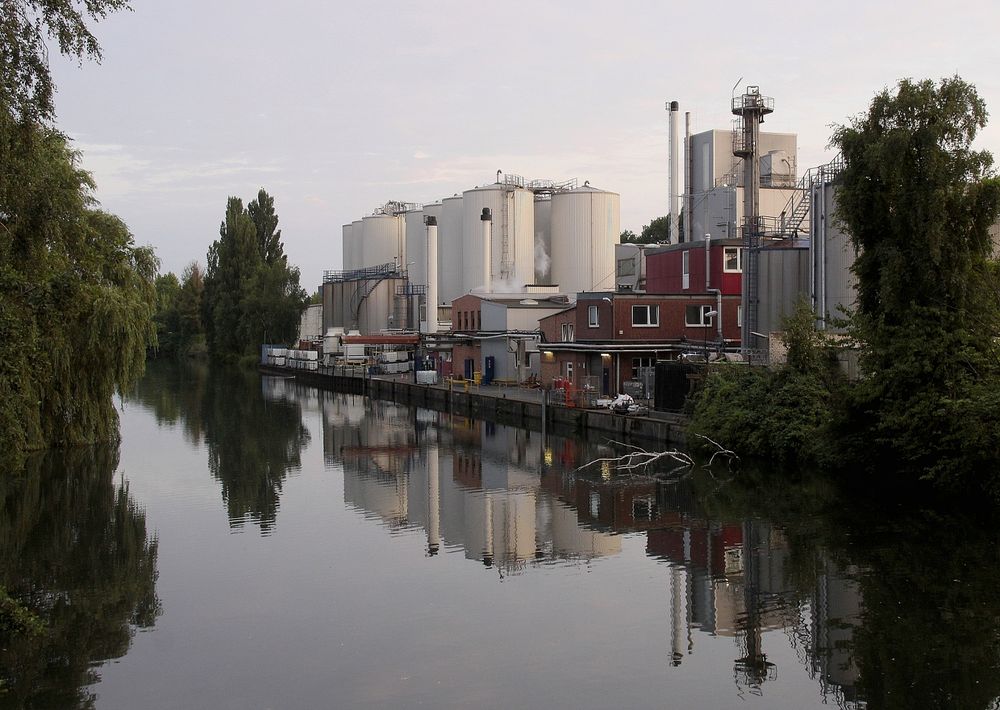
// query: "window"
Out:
[639,363]
[732,260]
[626,267]
[592,319]
[739,316]
[569,371]
[645,316]
[686,269]
[567,332]
[697,316]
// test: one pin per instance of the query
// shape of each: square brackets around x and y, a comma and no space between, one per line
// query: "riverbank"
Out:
[528,408]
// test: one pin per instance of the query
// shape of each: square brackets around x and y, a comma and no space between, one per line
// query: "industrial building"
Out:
[542,232]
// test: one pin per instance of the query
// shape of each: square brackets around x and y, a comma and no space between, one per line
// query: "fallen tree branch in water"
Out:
[641,458]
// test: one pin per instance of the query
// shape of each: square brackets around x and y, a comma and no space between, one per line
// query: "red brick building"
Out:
[607,338]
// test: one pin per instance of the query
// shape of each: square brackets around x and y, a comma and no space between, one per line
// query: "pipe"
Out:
[688,179]
[432,274]
[675,201]
[708,285]
[487,222]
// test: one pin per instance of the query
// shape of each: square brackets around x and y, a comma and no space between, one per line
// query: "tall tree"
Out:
[918,204]
[249,300]
[26,87]
[76,297]
[261,211]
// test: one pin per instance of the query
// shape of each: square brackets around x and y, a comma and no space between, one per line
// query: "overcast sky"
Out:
[336,108]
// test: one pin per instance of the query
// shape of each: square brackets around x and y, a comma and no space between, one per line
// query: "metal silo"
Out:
[450,247]
[513,240]
[543,240]
[383,239]
[347,244]
[416,247]
[357,240]
[585,228]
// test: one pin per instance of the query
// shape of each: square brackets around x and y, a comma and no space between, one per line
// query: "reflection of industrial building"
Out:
[498,496]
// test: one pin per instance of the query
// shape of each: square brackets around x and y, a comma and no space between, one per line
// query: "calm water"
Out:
[258,544]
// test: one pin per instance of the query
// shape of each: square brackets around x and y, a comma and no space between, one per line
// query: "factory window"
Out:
[639,363]
[697,316]
[569,371]
[567,332]
[592,319]
[732,260]
[645,316]
[626,267]
[686,269]
[739,316]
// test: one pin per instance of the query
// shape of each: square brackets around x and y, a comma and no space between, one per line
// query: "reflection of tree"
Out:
[252,444]
[173,391]
[75,552]
[928,632]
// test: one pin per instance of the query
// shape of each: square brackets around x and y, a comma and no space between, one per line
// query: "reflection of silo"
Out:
[357,242]
[450,246]
[513,240]
[385,498]
[383,239]
[543,240]
[500,526]
[570,539]
[416,247]
[585,229]
[433,501]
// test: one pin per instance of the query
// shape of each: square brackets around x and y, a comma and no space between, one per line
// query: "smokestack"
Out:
[675,201]
[688,179]
[432,273]
[487,219]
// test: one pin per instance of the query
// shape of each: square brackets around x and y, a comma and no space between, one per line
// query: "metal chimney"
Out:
[675,200]
[487,221]
[431,315]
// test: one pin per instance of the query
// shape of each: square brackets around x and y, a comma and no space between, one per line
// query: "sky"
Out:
[336,108]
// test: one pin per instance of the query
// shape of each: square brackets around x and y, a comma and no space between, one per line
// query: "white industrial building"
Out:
[542,233]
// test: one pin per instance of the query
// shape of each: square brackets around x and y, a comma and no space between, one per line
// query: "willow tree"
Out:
[918,202]
[76,297]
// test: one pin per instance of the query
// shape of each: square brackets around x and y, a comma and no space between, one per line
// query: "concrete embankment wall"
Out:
[495,406]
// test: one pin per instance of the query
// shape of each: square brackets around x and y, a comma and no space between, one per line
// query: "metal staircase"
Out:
[792,222]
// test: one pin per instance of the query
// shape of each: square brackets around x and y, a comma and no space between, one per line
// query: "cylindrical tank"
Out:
[383,240]
[513,239]
[543,240]
[431,236]
[416,247]
[585,229]
[357,242]
[347,245]
[450,250]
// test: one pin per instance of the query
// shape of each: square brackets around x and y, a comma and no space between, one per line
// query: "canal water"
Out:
[254,543]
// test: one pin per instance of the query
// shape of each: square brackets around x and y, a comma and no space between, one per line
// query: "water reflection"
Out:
[884,606]
[75,552]
[254,442]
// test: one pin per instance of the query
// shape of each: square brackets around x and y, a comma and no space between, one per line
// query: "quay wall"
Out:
[491,405]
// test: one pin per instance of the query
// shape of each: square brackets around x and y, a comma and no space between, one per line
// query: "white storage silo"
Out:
[416,247]
[513,240]
[347,245]
[543,240]
[383,240]
[357,242]
[585,228]
[450,248]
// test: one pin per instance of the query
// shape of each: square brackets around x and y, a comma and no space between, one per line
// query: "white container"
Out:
[383,240]
[427,377]
[585,228]
[513,237]
[416,247]
[451,242]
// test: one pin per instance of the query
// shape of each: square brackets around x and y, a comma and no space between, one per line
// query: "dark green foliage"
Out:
[76,298]
[179,329]
[656,232]
[79,568]
[251,295]
[916,201]
[26,85]
[783,415]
